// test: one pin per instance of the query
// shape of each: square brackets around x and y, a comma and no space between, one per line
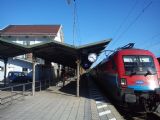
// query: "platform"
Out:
[60,103]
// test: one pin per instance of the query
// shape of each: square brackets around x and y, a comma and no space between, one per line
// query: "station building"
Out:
[46,52]
[30,35]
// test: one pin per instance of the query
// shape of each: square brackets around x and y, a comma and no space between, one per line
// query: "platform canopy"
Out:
[53,51]
[10,49]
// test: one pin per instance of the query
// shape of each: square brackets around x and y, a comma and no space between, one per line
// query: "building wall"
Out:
[33,39]
[29,40]
[18,65]
[60,36]
[42,72]
[15,65]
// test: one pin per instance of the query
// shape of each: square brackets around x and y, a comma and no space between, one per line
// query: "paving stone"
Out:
[54,104]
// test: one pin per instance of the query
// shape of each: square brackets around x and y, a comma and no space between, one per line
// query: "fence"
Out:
[14,92]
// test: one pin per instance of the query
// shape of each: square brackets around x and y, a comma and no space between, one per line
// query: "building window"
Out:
[25,70]
[24,42]
[1,68]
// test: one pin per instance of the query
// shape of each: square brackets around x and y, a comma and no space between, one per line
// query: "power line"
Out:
[151,45]
[124,21]
[134,21]
[126,18]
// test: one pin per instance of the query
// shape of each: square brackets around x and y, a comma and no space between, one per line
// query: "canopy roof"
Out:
[53,51]
[10,49]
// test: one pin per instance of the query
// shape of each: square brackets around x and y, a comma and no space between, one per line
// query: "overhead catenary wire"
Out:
[152,44]
[125,19]
[124,22]
[134,21]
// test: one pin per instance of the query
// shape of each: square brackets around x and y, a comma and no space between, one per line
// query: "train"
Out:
[131,76]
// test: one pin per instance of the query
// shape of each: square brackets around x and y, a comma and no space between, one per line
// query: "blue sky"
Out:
[95,20]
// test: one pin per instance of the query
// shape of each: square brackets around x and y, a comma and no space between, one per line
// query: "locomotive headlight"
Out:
[159,81]
[123,82]
[152,84]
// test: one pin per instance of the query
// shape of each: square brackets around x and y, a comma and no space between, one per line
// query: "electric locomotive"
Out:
[131,76]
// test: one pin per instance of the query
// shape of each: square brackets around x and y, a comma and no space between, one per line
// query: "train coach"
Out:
[130,76]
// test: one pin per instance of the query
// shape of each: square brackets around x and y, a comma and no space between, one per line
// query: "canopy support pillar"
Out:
[33,75]
[5,70]
[78,76]
[58,74]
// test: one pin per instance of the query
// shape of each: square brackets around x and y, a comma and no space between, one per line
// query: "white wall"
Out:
[15,65]
[29,40]
[1,72]
[59,37]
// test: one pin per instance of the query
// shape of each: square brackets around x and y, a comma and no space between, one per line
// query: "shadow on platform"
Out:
[70,88]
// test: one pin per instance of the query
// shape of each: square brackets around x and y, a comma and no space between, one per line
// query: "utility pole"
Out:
[74,19]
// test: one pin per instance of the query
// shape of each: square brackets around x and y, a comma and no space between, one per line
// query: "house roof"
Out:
[31,30]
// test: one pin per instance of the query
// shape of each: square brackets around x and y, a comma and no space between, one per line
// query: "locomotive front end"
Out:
[140,80]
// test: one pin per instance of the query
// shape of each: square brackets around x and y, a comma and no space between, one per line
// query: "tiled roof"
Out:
[30,30]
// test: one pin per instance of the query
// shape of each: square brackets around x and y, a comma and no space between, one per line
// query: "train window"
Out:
[114,65]
[139,64]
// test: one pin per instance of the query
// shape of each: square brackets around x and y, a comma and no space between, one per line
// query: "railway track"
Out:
[132,113]
[135,114]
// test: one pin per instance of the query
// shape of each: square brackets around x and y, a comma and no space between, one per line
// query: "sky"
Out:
[123,21]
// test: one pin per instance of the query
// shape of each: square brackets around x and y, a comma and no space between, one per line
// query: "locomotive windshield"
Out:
[139,65]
